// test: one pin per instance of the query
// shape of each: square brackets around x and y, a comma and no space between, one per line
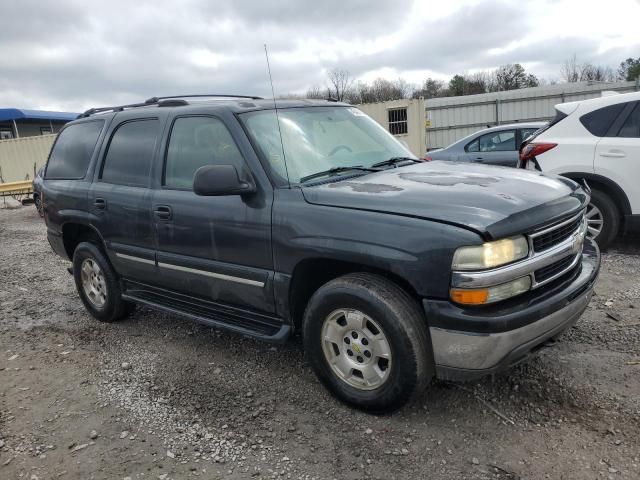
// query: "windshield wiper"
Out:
[395,161]
[334,170]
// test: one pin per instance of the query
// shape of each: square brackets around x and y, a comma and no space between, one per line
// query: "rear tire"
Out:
[365,323]
[98,285]
[606,210]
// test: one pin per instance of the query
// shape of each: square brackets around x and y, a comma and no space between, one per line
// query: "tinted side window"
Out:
[128,159]
[599,121]
[498,141]
[195,142]
[631,126]
[73,149]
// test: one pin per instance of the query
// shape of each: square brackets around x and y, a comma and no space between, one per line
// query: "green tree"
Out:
[430,89]
[456,86]
[513,76]
[629,69]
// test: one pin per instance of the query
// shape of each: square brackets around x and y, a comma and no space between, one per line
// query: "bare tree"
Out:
[380,90]
[598,73]
[316,92]
[340,82]
[570,70]
[475,83]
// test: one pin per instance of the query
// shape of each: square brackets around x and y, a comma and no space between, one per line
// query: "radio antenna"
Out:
[275,107]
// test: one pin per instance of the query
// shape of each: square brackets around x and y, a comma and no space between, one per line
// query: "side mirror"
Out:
[219,180]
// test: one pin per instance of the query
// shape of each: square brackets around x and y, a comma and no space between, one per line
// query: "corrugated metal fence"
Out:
[21,157]
[452,118]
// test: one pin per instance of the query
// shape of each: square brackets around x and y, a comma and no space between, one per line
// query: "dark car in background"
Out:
[312,218]
[491,146]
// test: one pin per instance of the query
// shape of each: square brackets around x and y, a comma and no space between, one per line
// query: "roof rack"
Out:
[169,101]
[215,95]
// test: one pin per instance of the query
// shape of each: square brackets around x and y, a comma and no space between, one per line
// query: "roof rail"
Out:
[169,101]
[215,95]
[118,108]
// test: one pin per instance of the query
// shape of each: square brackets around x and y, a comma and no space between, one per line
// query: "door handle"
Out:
[100,204]
[163,212]
[613,154]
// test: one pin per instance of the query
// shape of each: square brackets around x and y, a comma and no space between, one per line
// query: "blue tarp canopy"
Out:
[21,114]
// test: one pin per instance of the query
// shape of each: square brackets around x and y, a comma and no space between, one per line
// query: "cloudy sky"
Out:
[73,54]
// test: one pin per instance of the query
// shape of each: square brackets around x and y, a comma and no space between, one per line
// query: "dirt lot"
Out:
[157,397]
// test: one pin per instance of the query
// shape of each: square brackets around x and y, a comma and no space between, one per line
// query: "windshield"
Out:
[317,139]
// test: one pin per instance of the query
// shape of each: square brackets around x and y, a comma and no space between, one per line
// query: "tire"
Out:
[106,304]
[607,210]
[385,307]
[38,204]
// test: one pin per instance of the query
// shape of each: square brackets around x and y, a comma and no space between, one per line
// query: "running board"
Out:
[223,317]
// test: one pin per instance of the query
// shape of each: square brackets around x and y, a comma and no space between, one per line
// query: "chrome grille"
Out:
[554,270]
[556,234]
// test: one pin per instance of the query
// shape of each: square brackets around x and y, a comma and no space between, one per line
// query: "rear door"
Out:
[618,153]
[494,148]
[120,197]
[215,248]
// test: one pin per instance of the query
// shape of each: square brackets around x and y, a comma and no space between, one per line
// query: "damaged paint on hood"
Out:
[493,201]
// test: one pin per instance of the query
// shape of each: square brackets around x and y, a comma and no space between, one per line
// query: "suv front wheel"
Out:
[98,285]
[368,343]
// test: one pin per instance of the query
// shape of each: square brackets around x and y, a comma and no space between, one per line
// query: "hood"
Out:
[493,201]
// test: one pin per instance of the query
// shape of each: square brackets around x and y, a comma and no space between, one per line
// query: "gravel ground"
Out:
[157,397]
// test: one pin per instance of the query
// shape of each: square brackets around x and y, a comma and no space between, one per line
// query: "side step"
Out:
[224,317]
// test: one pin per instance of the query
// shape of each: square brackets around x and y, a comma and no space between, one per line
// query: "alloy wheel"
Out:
[595,221]
[356,349]
[93,283]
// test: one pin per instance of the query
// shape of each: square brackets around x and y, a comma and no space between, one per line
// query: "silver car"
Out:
[492,146]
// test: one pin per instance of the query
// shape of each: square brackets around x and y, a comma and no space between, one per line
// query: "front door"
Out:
[617,154]
[216,248]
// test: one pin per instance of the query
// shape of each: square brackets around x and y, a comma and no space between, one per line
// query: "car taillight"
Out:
[532,150]
[426,158]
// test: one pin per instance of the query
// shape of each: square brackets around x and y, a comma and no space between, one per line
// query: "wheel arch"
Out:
[606,185]
[74,232]
[311,273]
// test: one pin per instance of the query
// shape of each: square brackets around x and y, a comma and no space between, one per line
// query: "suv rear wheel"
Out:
[98,285]
[368,343]
[603,219]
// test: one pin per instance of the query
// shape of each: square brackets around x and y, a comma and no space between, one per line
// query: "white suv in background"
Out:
[596,140]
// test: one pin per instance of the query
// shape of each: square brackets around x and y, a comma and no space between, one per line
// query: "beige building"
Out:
[405,119]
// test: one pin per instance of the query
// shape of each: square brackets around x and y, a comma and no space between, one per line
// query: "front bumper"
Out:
[470,343]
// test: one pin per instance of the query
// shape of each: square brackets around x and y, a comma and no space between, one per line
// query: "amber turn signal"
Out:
[469,297]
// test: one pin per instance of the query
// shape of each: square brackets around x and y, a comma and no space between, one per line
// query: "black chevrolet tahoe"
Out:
[310,217]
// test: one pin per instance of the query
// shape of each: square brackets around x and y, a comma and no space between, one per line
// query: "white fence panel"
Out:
[21,157]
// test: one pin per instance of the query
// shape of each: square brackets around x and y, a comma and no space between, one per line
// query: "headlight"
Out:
[482,296]
[491,254]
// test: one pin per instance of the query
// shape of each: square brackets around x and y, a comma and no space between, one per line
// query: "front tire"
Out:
[38,203]
[97,284]
[367,341]
[603,219]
